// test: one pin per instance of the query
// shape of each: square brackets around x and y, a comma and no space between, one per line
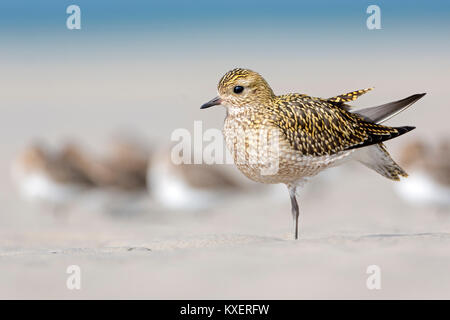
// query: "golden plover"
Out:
[289,138]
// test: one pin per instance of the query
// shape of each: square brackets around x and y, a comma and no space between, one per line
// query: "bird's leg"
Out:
[295,211]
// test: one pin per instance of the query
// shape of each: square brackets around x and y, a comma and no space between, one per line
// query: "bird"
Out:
[187,187]
[123,168]
[292,137]
[58,179]
[429,166]
[128,157]
[47,178]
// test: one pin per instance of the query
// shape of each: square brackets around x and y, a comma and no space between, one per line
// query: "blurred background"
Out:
[85,132]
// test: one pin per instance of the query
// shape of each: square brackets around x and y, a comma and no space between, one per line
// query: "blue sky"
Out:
[206,27]
[130,55]
[101,15]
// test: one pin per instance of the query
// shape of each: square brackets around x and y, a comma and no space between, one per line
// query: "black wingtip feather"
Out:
[373,139]
[405,129]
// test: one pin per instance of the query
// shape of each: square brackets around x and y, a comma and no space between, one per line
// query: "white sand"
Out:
[349,220]
[242,250]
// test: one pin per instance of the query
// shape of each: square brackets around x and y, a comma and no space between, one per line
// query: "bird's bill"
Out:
[214,102]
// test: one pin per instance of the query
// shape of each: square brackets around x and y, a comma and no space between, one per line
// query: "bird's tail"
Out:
[377,158]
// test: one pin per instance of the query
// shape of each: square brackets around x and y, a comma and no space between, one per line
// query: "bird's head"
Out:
[241,88]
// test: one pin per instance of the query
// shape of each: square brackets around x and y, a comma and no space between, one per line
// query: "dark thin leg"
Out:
[295,211]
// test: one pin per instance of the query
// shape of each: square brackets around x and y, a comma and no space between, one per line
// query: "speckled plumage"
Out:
[288,138]
[313,133]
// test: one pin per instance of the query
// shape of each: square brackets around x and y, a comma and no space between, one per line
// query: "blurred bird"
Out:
[123,168]
[429,167]
[129,158]
[45,177]
[289,138]
[187,186]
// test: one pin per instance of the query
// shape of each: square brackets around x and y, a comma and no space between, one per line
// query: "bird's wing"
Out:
[386,111]
[350,96]
[317,128]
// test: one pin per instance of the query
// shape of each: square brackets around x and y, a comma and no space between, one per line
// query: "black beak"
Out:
[214,102]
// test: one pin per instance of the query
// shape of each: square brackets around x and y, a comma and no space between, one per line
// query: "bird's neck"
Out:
[233,111]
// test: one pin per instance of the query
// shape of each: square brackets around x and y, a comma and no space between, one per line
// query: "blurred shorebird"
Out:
[129,158]
[46,177]
[429,167]
[59,177]
[123,168]
[289,138]
[187,186]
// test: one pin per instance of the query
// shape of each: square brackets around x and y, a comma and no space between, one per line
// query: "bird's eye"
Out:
[238,89]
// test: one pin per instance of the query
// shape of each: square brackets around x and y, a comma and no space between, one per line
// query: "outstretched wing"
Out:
[350,96]
[317,128]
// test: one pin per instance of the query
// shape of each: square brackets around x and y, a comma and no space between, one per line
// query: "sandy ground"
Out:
[350,218]
[242,249]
